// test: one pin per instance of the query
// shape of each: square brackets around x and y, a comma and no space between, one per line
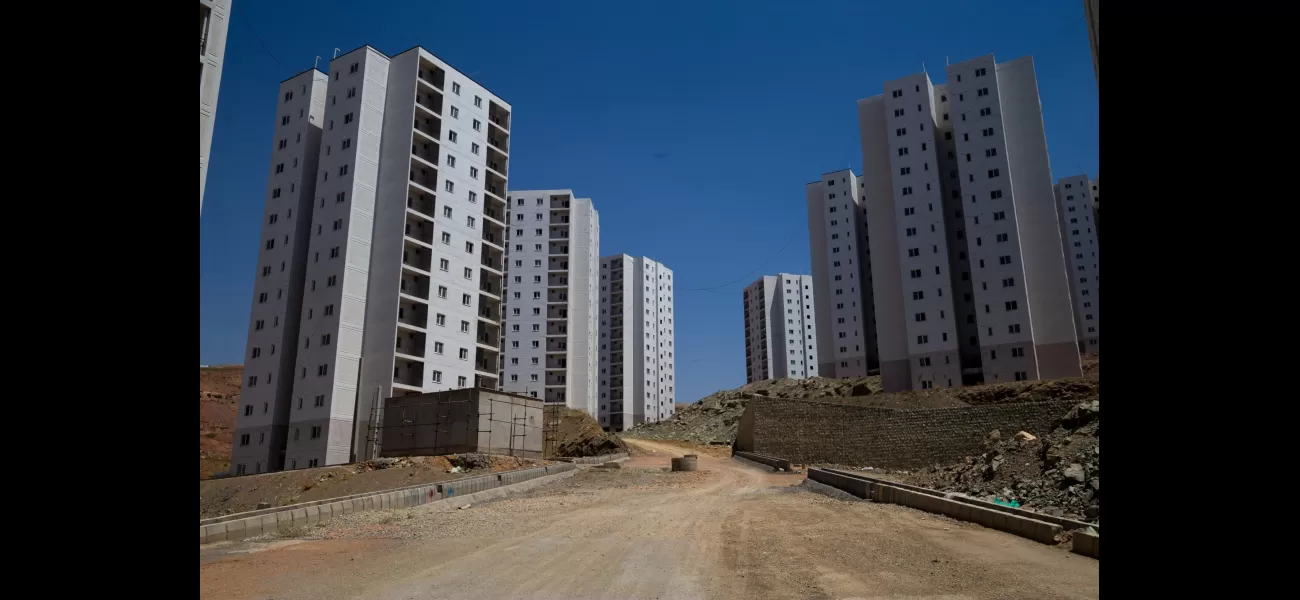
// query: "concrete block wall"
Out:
[808,431]
[771,461]
[595,460]
[249,524]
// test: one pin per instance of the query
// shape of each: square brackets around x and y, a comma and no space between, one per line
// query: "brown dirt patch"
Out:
[219,389]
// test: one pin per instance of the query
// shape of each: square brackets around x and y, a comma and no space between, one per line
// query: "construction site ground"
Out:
[729,530]
[238,494]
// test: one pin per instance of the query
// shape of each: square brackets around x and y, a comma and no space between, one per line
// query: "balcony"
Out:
[558,248]
[616,347]
[430,100]
[491,258]
[559,217]
[431,74]
[557,280]
[556,345]
[616,323]
[499,116]
[560,232]
[494,233]
[412,313]
[557,361]
[425,177]
[557,263]
[487,287]
[425,151]
[489,309]
[488,334]
[494,184]
[498,215]
[557,328]
[556,378]
[497,161]
[490,382]
[557,295]
[419,229]
[410,343]
[557,311]
[487,362]
[499,140]
[560,202]
[420,201]
[429,127]
[417,256]
[408,372]
[414,285]
[555,395]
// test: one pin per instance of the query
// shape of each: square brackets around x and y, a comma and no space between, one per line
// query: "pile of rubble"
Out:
[1058,473]
[715,418]
[580,435]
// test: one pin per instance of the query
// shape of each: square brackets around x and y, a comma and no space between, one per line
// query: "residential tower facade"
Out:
[781,328]
[841,275]
[637,354]
[404,264]
[214,21]
[553,256]
[966,255]
[1075,200]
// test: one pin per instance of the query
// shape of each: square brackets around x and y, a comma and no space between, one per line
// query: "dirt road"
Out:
[727,531]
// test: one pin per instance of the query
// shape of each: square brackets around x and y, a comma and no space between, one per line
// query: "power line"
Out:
[249,25]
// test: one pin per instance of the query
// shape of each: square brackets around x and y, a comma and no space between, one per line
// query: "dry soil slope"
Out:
[218,400]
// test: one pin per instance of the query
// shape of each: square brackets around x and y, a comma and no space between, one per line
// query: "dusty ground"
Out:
[727,531]
[219,389]
[238,494]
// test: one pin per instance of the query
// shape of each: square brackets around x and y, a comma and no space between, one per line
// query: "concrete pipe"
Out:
[685,463]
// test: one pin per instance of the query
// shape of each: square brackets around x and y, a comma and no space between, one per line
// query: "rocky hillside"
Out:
[580,435]
[713,419]
[218,400]
[1056,472]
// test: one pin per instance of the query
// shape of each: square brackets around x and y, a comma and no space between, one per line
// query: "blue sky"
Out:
[693,126]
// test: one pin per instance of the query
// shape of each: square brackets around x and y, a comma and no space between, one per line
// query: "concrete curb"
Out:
[932,501]
[1087,544]
[779,464]
[1066,524]
[595,460]
[253,523]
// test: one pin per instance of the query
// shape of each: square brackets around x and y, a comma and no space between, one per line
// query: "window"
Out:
[449,185]
[911,231]
[918,295]
[442,291]
[469,273]
[984,112]
[443,264]
[464,299]
[1009,282]
[1013,328]
[919,317]
[995,194]
[1017,352]
[469,247]
[464,326]
[473,198]
[999,215]
[334,252]
[1004,260]
[900,132]
[902,151]
[916,273]
[284,120]
[325,339]
[332,281]
[455,112]
[441,320]
[329,309]
[1002,237]
[1011,305]
[451,160]
[283,143]
[478,125]
[469,222]
[994,173]
[451,136]
[980,73]
[473,172]
[322,370]
[987,132]
[922,339]
[464,354]
[991,152]
[437,376]
[347,143]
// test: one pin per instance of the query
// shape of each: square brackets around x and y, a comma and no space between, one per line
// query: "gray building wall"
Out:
[214,21]
[460,421]
[1075,198]
[841,273]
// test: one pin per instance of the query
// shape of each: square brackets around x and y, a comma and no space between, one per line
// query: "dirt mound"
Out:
[1058,473]
[219,389]
[238,494]
[580,435]
[1027,391]
[713,419]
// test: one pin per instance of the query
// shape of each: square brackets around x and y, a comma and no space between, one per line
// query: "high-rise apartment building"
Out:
[404,253]
[637,356]
[553,256]
[1075,199]
[780,328]
[969,279]
[214,20]
[845,317]
[273,325]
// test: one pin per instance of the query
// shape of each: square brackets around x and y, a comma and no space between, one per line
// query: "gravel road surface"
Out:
[730,530]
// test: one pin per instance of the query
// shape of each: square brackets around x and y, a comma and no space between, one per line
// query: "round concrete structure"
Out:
[690,462]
